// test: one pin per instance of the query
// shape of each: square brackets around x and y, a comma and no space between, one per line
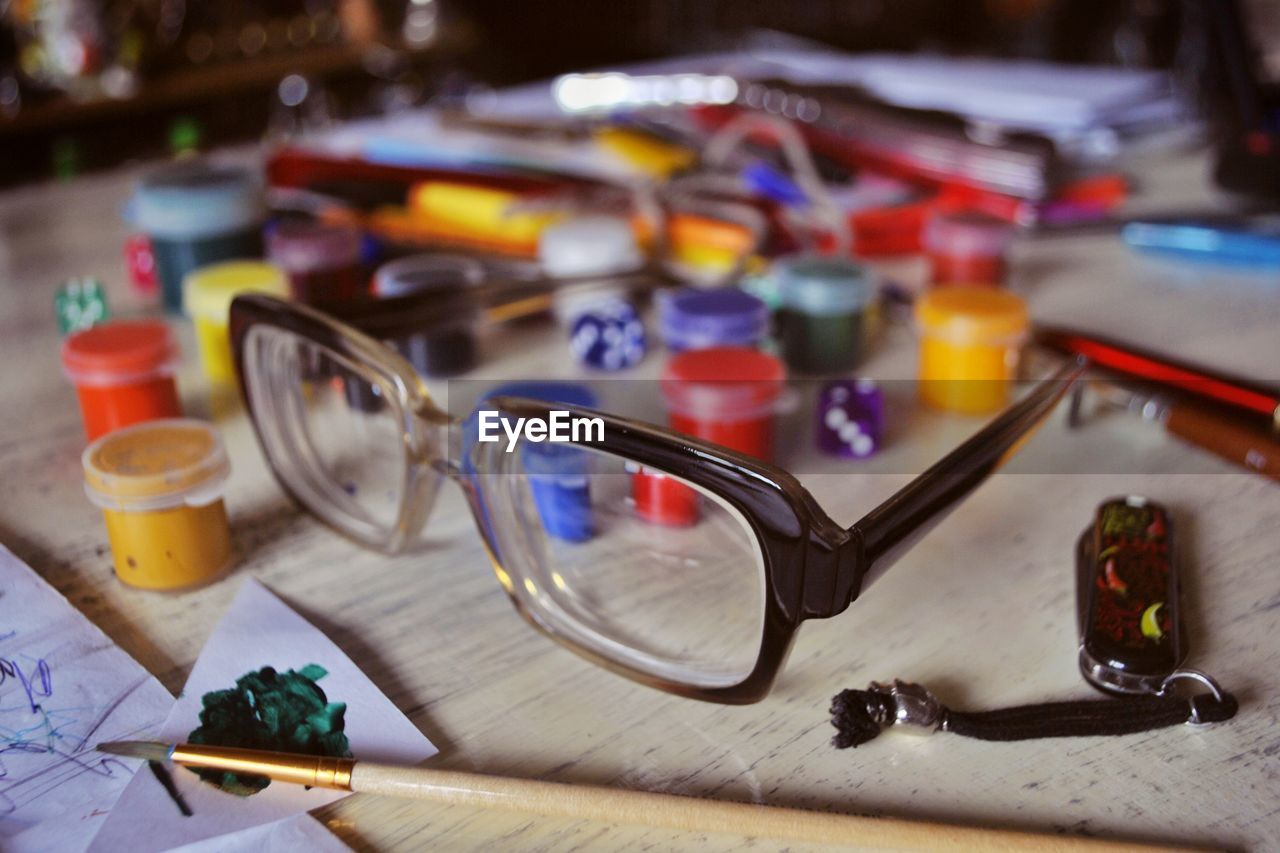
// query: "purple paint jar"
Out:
[702,319]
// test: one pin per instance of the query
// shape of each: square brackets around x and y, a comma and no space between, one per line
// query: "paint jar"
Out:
[970,340]
[967,249]
[694,319]
[321,260]
[160,487]
[446,346]
[589,246]
[124,374]
[195,215]
[725,395]
[822,321]
[208,293]
[559,474]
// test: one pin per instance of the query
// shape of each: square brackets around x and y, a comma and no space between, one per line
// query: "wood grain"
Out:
[699,814]
[982,610]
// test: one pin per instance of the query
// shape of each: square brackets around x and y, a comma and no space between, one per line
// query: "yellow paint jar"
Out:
[159,485]
[970,341]
[207,293]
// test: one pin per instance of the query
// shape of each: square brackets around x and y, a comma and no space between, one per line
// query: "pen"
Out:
[593,802]
[1254,399]
[1249,245]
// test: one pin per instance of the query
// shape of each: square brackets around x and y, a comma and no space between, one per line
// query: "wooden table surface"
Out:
[982,610]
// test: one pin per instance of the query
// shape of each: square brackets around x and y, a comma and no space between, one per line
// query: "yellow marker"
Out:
[651,155]
[159,485]
[207,294]
[479,212]
[970,342]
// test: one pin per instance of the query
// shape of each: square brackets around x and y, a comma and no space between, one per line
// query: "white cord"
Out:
[721,146]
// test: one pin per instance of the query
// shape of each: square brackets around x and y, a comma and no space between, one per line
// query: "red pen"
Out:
[1244,395]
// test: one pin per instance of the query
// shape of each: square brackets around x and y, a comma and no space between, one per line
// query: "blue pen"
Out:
[1248,244]
[763,179]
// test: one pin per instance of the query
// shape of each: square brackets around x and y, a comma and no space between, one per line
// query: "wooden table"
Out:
[982,610]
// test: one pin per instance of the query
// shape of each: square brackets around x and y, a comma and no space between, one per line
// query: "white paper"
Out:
[259,630]
[1045,96]
[64,687]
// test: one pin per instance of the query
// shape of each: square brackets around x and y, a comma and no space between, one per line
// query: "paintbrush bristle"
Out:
[144,749]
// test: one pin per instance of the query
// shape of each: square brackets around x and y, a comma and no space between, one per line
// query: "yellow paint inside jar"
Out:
[970,341]
[159,485]
[207,295]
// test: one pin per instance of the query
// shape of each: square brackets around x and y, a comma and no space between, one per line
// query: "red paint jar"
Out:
[322,261]
[662,500]
[967,249]
[725,395]
[123,373]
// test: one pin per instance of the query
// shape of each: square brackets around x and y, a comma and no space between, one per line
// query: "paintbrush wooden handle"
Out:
[1237,442]
[612,805]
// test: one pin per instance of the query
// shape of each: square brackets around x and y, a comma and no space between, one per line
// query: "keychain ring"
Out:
[1192,675]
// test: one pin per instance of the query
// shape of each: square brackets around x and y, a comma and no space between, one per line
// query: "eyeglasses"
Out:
[705,609]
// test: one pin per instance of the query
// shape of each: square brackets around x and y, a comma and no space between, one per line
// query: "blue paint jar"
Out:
[693,319]
[194,215]
[559,474]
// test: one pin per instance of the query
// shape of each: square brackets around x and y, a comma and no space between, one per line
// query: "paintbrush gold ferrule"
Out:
[316,771]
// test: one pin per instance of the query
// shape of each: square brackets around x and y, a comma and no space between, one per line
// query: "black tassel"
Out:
[855,714]
[860,715]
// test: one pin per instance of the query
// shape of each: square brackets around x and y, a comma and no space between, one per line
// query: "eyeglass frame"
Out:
[814,567]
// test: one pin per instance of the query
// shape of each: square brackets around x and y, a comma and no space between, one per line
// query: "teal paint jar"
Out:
[194,215]
[822,321]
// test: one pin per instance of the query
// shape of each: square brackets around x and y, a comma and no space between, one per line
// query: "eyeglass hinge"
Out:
[833,574]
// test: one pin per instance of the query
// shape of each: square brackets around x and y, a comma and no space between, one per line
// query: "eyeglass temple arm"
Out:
[894,526]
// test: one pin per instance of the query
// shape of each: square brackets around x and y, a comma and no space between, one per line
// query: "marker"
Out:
[1251,244]
[1245,395]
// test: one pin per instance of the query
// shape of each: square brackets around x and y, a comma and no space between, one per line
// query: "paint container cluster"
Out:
[204,237]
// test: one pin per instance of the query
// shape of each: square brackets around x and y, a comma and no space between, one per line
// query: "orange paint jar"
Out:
[160,486]
[123,373]
[970,342]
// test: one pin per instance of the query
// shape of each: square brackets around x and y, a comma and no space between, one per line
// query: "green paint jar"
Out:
[822,320]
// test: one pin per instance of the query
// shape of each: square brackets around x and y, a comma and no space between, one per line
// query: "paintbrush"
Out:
[1210,428]
[609,805]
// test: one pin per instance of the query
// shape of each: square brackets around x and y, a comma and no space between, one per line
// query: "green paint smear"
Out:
[285,712]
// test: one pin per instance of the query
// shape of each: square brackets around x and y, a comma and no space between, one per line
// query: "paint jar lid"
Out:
[822,285]
[421,273]
[303,247]
[723,383]
[589,246]
[967,315]
[207,292]
[119,352]
[197,200]
[967,233]
[568,393]
[549,458]
[697,319]
[155,465]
